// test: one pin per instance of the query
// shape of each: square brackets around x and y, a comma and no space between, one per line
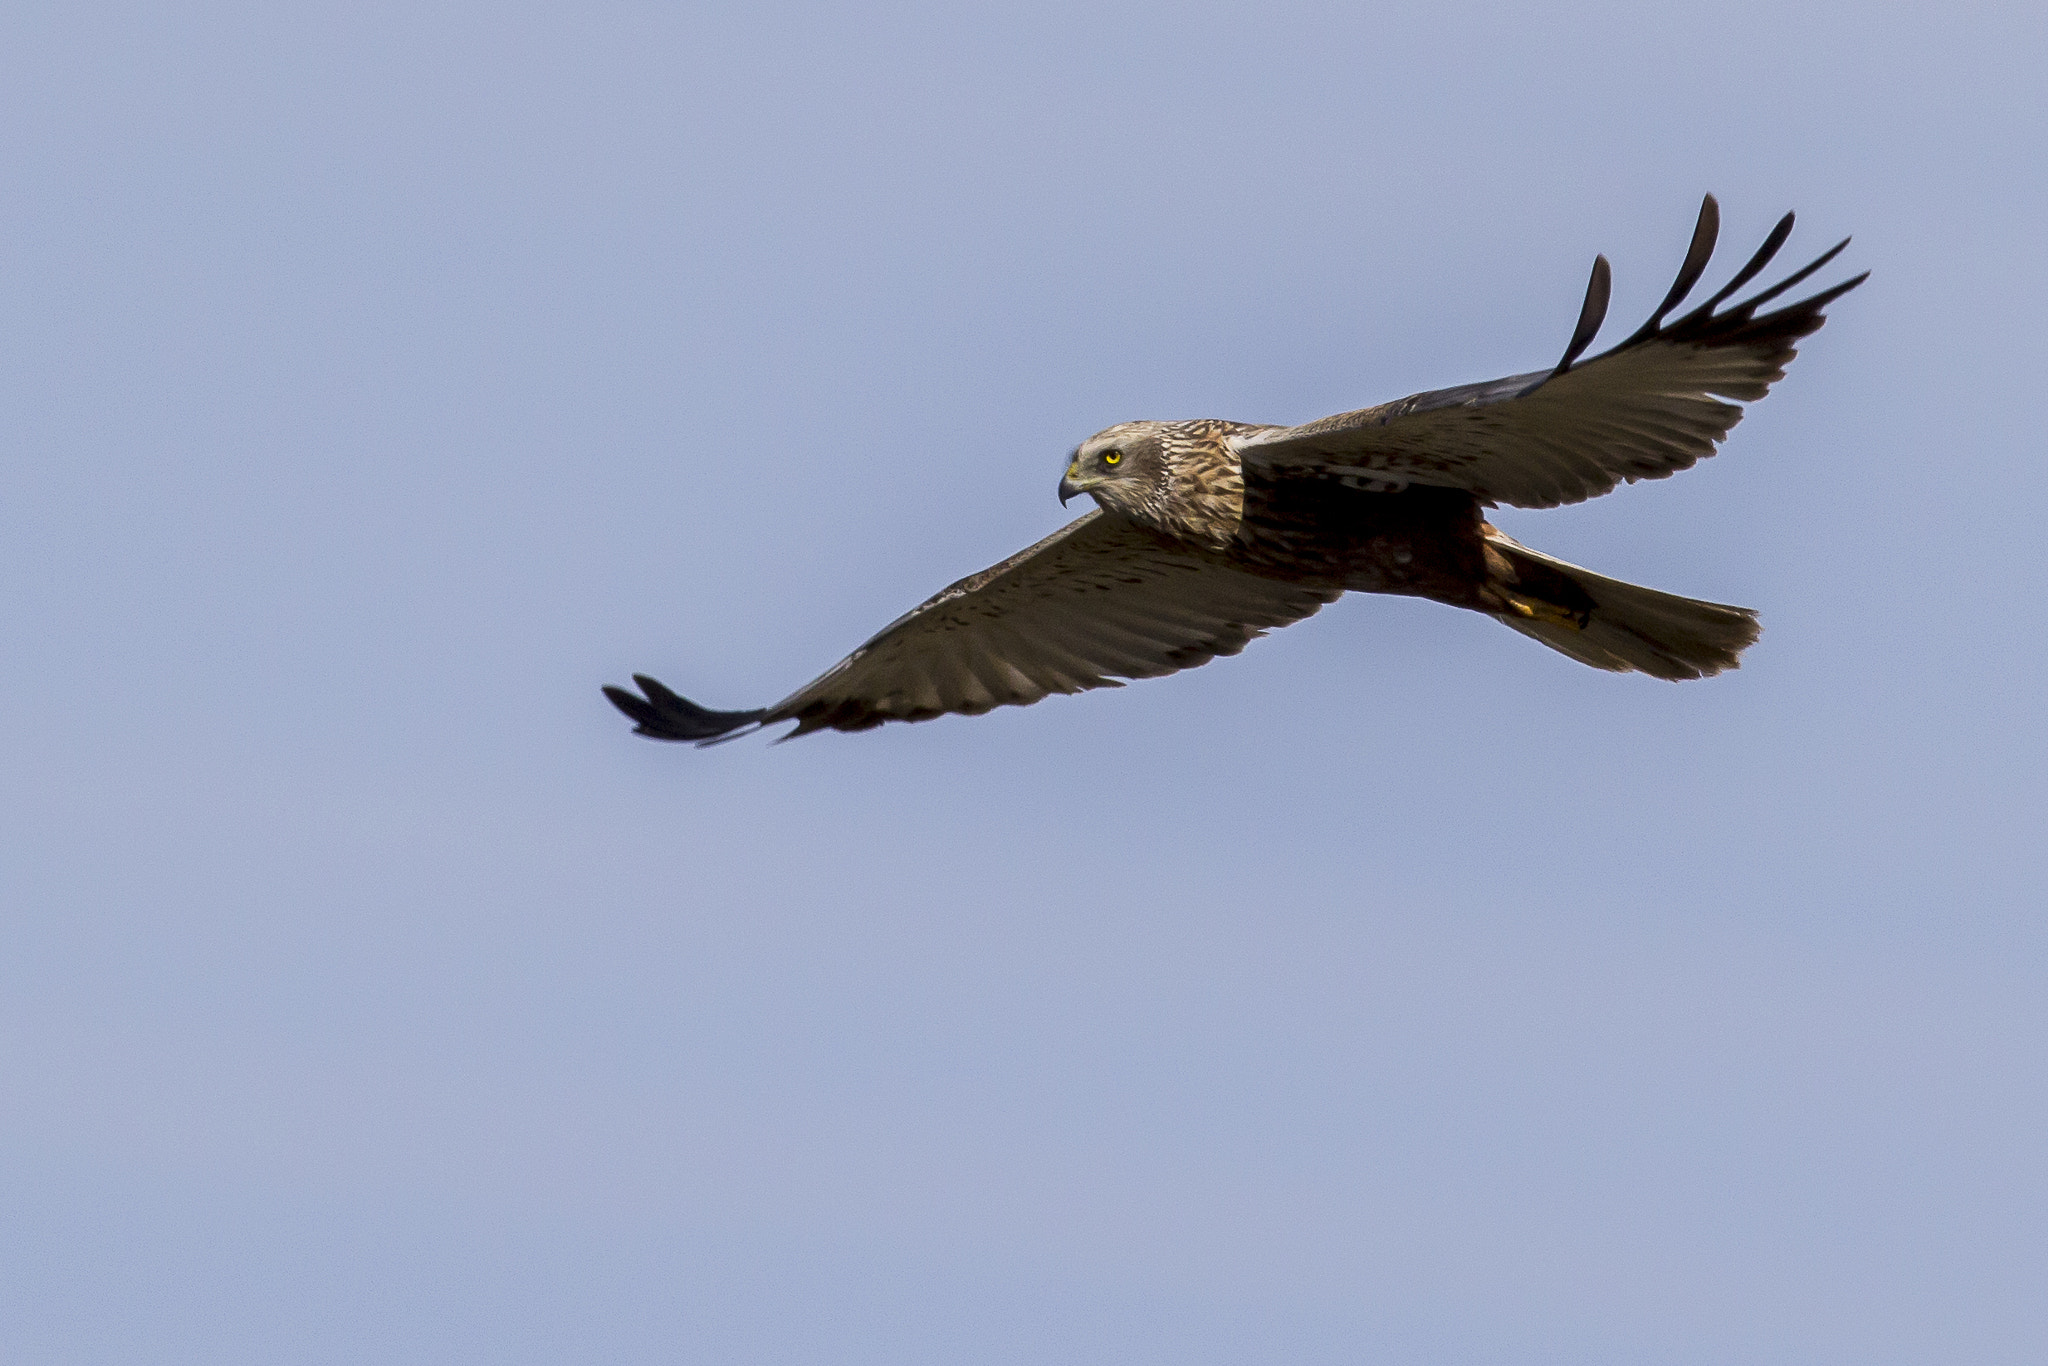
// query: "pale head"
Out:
[1123,467]
[1179,477]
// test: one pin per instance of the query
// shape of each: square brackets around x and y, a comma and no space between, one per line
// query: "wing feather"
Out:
[1100,600]
[1660,402]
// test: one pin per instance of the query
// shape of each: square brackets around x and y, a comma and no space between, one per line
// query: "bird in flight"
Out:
[1207,533]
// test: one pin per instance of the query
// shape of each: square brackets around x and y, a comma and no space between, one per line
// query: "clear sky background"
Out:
[380,379]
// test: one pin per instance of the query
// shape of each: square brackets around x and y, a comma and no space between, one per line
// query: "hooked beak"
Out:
[1068,488]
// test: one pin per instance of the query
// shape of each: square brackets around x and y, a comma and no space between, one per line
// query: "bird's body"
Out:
[1209,532]
[1307,527]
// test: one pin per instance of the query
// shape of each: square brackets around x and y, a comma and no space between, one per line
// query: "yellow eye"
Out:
[1112,458]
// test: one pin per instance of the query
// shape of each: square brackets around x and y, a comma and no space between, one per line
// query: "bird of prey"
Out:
[1207,533]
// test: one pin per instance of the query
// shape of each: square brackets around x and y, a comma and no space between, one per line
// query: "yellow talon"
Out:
[1535,609]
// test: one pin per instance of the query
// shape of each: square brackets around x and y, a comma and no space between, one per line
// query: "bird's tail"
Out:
[1614,625]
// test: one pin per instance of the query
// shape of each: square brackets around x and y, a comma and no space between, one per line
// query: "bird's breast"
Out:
[1420,541]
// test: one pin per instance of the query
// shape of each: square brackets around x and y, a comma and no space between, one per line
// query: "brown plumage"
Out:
[1207,533]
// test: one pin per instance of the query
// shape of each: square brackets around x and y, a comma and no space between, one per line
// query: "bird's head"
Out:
[1182,478]
[1124,467]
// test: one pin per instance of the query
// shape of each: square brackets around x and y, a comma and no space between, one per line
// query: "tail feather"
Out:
[1622,626]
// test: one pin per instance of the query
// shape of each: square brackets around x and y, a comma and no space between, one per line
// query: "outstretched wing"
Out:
[1652,405]
[1100,599]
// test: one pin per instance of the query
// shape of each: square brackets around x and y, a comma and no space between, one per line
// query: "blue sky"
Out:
[381,380]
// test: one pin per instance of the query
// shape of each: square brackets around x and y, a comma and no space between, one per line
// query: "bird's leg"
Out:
[1536,609]
[1519,587]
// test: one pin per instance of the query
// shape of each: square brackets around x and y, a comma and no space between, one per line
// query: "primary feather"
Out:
[1658,403]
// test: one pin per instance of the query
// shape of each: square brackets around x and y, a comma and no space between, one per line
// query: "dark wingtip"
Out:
[634,705]
[1592,313]
[665,715]
[1705,233]
[1828,296]
[1750,306]
[1749,271]
[1740,321]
